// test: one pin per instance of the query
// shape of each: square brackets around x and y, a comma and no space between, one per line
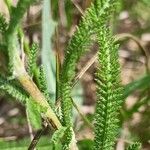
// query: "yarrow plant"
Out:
[27,82]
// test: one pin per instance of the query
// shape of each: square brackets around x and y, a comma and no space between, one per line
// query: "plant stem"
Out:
[22,76]
[84,69]
[32,89]
[29,127]
[36,139]
[86,121]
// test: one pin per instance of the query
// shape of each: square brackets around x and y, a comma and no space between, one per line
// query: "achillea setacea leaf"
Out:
[134,146]
[109,92]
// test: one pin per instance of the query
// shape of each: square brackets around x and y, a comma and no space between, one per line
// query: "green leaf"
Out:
[86,144]
[141,83]
[135,108]
[134,146]
[33,114]
[44,144]
[32,58]
[95,17]
[3,24]
[109,91]
[42,84]
[13,90]
[56,138]
[16,16]
[48,57]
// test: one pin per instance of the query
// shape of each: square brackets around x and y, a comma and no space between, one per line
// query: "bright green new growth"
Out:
[13,90]
[43,86]
[3,24]
[11,33]
[134,146]
[109,96]
[108,93]
[32,58]
[91,28]
[17,66]
[38,73]
[33,114]
[79,44]
[57,136]
[95,17]
[42,83]
[3,28]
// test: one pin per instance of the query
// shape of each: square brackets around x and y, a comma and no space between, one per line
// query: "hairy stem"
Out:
[35,93]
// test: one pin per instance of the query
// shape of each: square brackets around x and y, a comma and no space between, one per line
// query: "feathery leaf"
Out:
[34,115]
[78,45]
[82,39]
[16,16]
[3,24]
[134,146]
[109,92]
[43,86]
[32,58]
[13,90]
[42,81]
[57,136]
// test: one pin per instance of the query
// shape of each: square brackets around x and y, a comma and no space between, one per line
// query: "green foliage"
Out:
[146,2]
[109,92]
[85,144]
[33,115]
[79,42]
[135,146]
[3,28]
[67,138]
[78,45]
[68,12]
[141,83]
[17,14]
[38,73]
[3,24]
[10,35]
[47,55]
[57,136]
[8,4]
[42,81]
[96,16]
[12,90]
[32,59]
[42,84]
[44,144]
[92,28]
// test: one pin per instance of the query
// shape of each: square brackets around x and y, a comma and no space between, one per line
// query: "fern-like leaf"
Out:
[78,45]
[57,136]
[3,24]
[79,42]
[42,81]
[32,58]
[134,146]
[95,17]
[17,14]
[108,93]
[13,90]
[43,86]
